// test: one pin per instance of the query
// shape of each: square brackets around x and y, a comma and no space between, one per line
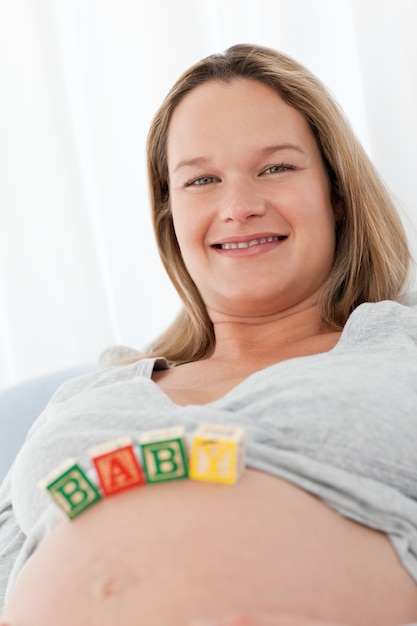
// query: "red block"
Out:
[118,469]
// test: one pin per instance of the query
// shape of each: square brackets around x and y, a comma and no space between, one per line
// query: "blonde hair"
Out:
[372,257]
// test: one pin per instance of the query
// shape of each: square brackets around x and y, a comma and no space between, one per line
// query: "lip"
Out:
[249,245]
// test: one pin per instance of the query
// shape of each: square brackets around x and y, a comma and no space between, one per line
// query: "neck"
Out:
[265,337]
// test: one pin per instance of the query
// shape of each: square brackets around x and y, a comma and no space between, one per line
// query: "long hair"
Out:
[372,258]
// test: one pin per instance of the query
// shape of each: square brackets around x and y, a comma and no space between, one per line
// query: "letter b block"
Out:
[218,453]
[164,454]
[71,489]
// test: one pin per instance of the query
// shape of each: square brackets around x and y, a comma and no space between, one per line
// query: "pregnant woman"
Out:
[291,262]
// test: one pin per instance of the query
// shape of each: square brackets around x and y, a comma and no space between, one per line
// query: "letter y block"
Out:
[218,453]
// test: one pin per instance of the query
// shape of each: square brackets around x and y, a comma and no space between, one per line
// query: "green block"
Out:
[73,491]
[164,460]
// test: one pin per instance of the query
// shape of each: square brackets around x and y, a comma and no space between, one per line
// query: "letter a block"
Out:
[71,489]
[164,454]
[218,453]
[117,466]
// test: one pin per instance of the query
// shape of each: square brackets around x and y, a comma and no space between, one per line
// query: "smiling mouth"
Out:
[249,244]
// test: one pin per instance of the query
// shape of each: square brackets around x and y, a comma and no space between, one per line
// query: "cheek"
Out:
[190,232]
[179,223]
[187,238]
[319,211]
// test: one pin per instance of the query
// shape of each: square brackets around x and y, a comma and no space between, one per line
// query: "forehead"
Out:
[244,110]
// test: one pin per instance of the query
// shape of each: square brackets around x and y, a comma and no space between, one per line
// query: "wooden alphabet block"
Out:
[164,454]
[117,466]
[218,453]
[70,488]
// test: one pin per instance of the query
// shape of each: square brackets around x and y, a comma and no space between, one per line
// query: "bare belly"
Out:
[163,555]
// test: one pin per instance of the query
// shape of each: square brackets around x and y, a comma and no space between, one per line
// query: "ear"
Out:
[338,210]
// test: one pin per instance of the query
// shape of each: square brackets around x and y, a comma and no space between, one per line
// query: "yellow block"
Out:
[217,453]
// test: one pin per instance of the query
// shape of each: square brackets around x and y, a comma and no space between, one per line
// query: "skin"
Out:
[262,619]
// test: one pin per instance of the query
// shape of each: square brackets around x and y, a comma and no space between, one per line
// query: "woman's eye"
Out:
[201,181]
[277,169]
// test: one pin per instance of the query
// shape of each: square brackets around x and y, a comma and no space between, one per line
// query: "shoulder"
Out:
[401,313]
[107,377]
[381,321]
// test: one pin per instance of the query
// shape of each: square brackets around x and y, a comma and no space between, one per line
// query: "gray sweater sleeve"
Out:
[13,541]
[12,537]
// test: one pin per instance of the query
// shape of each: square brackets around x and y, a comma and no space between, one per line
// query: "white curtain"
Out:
[79,83]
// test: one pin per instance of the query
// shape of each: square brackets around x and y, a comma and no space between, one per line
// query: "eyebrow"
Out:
[190,162]
[266,151]
[279,148]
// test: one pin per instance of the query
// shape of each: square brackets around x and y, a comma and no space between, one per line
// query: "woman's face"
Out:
[250,200]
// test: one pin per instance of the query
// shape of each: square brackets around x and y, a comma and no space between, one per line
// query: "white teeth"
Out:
[248,244]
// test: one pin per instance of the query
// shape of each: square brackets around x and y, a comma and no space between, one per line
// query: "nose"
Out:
[241,201]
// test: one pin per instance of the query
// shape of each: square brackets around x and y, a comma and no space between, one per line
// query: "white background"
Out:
[79,83]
